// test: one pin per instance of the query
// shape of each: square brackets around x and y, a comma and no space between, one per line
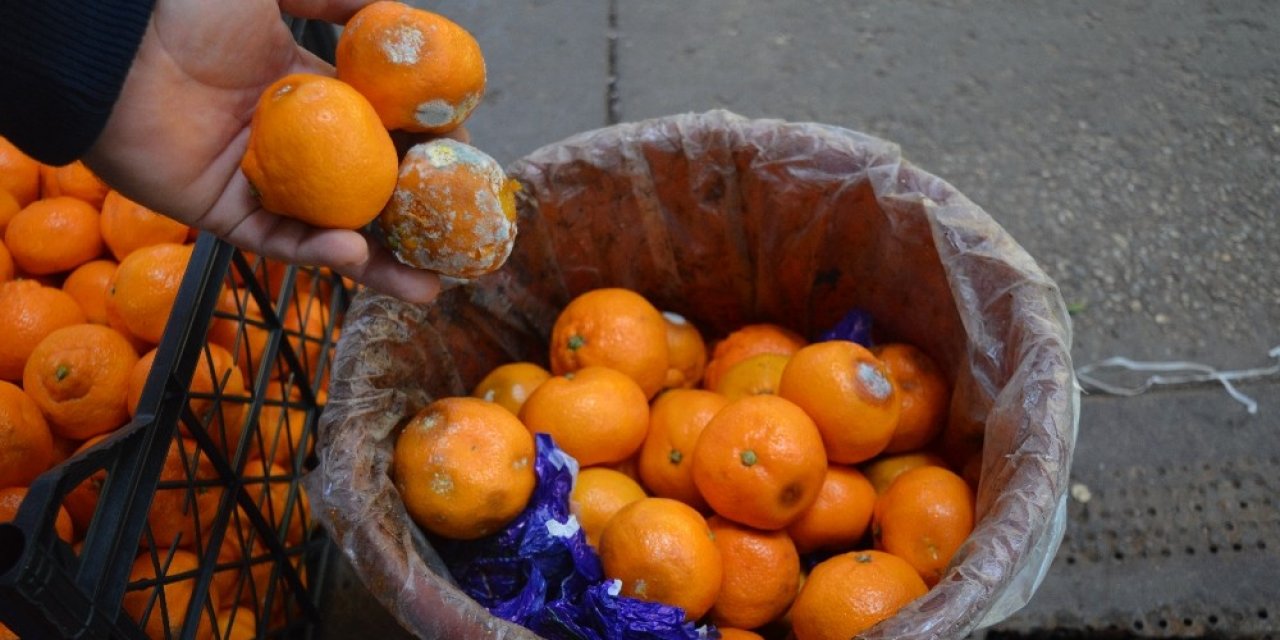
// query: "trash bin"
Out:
[728,220]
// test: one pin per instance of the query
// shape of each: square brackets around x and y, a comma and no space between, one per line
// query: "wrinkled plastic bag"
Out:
[726,221]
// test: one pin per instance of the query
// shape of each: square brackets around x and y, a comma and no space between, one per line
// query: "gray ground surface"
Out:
[1132,147]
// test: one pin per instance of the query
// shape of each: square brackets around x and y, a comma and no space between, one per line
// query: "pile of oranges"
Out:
[88,280]
[769,485]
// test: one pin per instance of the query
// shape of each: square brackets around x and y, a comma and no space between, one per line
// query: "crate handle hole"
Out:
[12,543]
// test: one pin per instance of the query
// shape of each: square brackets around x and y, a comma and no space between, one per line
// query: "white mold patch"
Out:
[403,45]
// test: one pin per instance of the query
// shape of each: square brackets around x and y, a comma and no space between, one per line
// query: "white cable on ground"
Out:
[1196,373]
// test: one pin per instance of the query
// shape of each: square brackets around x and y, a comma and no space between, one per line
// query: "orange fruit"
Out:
[420,70]
[89,284]
[924,393]
[186,501]
[6,264]
[82,500]
[731,633]
[596,414]
[753,376]
[849,593]
[167,599]
[849,394]
[237,623]
[30,311]
[216,394]
[676,419]
[453,210]
[269,486]
[509,385]
[144,288]
[282,425]
[19,173]
[745,342]
[305,324]
[79,376]
[882,470]
[662,551]
[616,328]
[464,467]
[761,574]
[26,444]
[54,235]
[9,207]
[686,352]
[74,180]
[127,225]
[760,462]
[923,518]
[598,494]
[247,339]
[11,499]
[318,153]
[841,514]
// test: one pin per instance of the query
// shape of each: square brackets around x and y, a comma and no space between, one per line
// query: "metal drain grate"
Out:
[1188,550]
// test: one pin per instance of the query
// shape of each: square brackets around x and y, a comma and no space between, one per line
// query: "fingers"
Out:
[383,273]
[335,11]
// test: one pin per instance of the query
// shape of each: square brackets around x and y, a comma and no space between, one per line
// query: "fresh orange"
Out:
[281,501]
[54,235]
[753,376]
[9,207]
[761,574]
[662,551]
[840,516]
[237,623]
[6,264]
[186,502]
[731,633]
[616,328]
[247,339]
[453,210]
[924,393]
[26,444]
[882,470]
[686,352]
[420,70]
[127,225]
[464,467]
[144,288]
[923,518]
[30,311]
[89,284]
[747,341]
[217,394]
[11,499]
[318,153]
[598,494]
[305,322]
[74,180]
[79,376]
[163,594]
[849,394]
[19,173]
[82,500]
[760,462]
[282,425]
[509,385]
[849,593]
[676,419]
[595,414]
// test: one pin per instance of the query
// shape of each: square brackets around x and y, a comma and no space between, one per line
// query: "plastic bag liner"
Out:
[726,221]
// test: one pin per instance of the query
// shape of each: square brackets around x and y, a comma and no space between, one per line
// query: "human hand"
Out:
[176,135]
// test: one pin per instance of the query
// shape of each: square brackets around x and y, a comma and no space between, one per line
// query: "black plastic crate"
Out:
[237,529]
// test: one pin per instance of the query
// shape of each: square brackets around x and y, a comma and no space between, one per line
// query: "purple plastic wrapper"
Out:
[727,221]
[855,326]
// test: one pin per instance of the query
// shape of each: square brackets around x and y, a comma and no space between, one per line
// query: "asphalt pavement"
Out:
[1133,148]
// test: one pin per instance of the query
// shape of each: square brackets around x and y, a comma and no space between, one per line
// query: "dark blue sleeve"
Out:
[62,64]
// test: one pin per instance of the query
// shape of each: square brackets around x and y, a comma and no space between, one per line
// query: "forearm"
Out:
[62,63]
